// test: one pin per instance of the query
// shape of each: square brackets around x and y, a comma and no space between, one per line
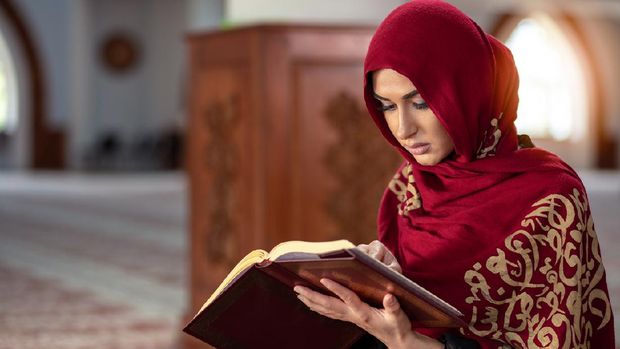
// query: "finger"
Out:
[363,248]
[396,267]
[379,254]
[389,257]
[308,293]
[392,256]
[359,313]
[376,250]
[318,298]
[374,245]
[391,262]
[314,306]
[348,297]
[318,308]
[391,305]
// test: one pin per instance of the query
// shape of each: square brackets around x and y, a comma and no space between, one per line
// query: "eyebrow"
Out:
[407,96]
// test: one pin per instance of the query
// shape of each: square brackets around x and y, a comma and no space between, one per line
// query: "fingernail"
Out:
[297,289]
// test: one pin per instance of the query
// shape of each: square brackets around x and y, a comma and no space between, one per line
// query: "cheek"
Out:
[443,137]
[446,141]
[392,124]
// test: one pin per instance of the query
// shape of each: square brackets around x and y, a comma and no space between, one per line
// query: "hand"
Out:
[390,324]
[377,250]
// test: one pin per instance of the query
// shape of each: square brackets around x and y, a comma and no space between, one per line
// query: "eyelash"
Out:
[418,106]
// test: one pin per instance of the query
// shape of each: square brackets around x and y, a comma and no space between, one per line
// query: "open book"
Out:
[255,306]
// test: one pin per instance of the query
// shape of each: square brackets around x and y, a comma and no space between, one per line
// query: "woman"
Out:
[499,230]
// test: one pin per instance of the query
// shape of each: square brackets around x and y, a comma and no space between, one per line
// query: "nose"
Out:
[407,126]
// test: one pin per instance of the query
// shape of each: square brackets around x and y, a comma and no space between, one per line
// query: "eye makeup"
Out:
[390,107]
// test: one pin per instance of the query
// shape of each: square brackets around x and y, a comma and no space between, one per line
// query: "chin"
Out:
[426,161]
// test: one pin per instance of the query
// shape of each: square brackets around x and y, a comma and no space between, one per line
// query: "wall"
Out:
[204,15]
[150,96]
[347,11]
[86,100]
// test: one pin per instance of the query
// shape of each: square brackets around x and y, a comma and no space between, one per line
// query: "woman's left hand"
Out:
[390,324]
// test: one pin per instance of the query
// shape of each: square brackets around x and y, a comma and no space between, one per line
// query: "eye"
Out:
[386,107]
[420,106]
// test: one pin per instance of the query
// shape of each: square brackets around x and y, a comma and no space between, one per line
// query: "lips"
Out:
[419,148]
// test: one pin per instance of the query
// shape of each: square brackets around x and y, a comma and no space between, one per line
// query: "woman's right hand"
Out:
[377,250]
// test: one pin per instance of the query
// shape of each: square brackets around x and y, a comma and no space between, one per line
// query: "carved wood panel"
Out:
[221,119]
[217,190]
[342,162]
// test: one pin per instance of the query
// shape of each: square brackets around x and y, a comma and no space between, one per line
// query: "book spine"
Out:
[263,264]
[281,274]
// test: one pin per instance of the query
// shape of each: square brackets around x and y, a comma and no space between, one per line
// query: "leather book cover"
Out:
[259,309]
[371,280]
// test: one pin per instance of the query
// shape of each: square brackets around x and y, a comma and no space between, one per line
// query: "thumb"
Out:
[391,305]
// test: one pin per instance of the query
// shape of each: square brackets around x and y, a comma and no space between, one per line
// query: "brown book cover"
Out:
[257,308]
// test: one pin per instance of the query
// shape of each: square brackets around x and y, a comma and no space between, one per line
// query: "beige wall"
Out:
[347,11]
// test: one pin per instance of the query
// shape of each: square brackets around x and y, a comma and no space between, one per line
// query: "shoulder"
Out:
[561,180]
[556,196]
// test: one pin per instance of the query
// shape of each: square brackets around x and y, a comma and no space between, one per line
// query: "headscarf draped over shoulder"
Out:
[503,233]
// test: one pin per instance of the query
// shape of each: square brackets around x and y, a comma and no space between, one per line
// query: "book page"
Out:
[248,261]
[308,247]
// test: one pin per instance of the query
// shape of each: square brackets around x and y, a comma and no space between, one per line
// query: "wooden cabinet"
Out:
[280,144]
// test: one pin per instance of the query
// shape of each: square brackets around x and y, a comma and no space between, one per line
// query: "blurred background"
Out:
[147,145]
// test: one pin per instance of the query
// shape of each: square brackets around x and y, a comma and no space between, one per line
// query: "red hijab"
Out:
[501,232]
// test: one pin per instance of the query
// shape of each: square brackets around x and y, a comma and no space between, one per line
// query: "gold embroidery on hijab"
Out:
[408,195]
[494,135]
[563,282]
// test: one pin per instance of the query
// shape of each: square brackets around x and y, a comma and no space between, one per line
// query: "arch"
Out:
[8,90]
[601,145]
[554,94]
[47,145]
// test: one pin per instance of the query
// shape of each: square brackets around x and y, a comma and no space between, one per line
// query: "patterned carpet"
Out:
[91,262]
[99,261]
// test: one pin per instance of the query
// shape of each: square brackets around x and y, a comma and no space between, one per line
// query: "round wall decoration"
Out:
[119,52]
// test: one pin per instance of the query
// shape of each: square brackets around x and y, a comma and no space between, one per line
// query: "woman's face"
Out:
[410,119]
